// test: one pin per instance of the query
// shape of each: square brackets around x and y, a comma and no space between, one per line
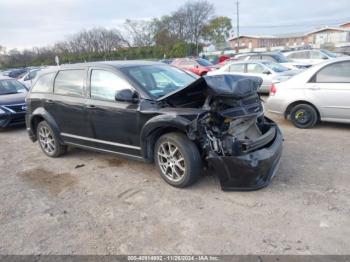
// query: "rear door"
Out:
[329,89]
[67,105]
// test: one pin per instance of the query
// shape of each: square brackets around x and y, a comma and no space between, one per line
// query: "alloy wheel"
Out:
[171,161]
[47,140]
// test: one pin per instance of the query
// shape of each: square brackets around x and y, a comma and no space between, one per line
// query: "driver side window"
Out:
[104,85]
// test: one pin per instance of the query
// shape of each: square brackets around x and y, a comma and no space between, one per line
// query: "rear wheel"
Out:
[48,141]
[177,159]
[304,116]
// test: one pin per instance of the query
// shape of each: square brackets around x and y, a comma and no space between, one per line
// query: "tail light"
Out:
[273,90]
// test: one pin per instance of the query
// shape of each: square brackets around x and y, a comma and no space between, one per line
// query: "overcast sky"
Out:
[29,23]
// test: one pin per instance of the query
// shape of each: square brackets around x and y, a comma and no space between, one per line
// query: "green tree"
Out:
[218,30]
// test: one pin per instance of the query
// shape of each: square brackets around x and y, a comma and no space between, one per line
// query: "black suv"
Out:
[157,113]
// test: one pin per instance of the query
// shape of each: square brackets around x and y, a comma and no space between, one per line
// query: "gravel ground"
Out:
[91,203]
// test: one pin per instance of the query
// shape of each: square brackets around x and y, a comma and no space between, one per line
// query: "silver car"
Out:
[319,93]
[312,57]
[269,71]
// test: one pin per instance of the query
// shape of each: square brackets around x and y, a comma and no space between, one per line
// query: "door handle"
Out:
[49,101]
[315,88]
[90,106]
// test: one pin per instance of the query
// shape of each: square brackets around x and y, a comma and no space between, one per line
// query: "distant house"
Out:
[254,42]
[326,35]
[345,25]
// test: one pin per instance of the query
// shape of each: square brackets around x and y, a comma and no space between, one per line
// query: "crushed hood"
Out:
[236,86]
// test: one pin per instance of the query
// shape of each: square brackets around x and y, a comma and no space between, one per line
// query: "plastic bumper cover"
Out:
[251,171]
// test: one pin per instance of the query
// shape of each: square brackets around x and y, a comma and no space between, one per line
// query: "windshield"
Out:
[330,54]
[280,58]
[203,62]
[275,67]
[159,80]
[11,86]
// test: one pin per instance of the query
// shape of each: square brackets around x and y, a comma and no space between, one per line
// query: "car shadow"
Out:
[12,128]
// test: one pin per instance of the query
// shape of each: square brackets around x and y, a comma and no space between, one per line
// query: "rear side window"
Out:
[237,68]
[300,55]
[269,58]
[335,73]
[70,82]
[44,84]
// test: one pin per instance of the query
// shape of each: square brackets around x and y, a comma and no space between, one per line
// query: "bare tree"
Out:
[198,14]
[140,33]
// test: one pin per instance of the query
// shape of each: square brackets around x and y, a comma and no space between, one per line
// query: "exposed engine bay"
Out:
[233,122]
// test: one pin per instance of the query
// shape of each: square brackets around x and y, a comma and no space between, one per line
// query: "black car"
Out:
[157,113]
[12,104]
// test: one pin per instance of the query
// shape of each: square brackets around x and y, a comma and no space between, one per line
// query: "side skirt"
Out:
[124,155]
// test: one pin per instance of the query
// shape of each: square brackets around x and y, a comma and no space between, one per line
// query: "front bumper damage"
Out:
[250,171]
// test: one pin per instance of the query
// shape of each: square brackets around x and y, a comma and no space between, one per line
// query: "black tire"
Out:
[188,170]
[56,149]
[304,116]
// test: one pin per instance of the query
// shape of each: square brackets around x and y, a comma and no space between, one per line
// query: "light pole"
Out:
[237,6]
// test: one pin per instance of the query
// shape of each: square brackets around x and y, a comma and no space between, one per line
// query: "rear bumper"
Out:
[251,171]
[7,120]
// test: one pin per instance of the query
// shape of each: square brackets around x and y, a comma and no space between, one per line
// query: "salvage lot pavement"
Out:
[91,203]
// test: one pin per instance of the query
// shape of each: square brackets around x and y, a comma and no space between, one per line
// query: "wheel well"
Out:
[35,122]
[154,136]
[289,108]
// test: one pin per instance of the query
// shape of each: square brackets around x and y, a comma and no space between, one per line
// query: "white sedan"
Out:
[321,93]
[270,72]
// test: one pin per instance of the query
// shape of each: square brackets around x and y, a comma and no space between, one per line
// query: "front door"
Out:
[329,90]
[115,124]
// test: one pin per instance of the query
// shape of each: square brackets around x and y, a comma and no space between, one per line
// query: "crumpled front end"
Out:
[238,142]
[250,171]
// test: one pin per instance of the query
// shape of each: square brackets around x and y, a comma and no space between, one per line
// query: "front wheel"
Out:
[48,140]
[304,116]
[177,159]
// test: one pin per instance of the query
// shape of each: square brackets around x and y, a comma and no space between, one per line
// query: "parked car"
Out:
[276,57]
[198,66]
[158,113]
[27,78]
[17,72]
[166,61]
[313,57]
[319,93]
[12,104]
[270,72]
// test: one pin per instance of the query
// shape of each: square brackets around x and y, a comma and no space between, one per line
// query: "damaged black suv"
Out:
[158,113]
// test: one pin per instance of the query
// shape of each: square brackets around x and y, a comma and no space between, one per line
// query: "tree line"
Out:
[181,33]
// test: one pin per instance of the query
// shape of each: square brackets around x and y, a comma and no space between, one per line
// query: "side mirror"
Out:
[266,72]
[126,95]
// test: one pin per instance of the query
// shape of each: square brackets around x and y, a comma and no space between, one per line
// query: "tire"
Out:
[176,172]
[304,116]
[48,140]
